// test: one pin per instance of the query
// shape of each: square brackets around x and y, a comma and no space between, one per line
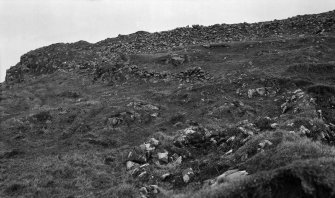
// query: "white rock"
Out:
[186,178]
[155,189]
[264,144]
[231,175]
[189,131]
[261,91]
[113,121]
[231,139]
[143,191]
[131,164]
[178,160]
[154,141]
[187,174]
[164,176]
[229,152]
[213,141]
[163,156]
[274,125]
[142,174]
[144,165]
[147,147]
[251,92]
[303,130]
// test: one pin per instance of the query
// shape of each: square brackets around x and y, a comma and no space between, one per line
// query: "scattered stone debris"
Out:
[110,51]
[194,74]
[263,145]
[303,130]
[241,113]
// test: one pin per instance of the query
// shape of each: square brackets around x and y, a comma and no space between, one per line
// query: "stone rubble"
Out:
[112,51]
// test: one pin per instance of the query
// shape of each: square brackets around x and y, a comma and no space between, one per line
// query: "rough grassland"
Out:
[261,105]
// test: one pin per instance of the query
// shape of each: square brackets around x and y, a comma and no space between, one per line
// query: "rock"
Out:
[214,142]
[238,92]
[138,156]
[113,121]
[177,60]
[274,125]
[144,165]
[284,107]
[231,139]
[139,171]
[143,192]
[187,136]
[143,106]
[187,174]
[165,176]
[131,165]
[163,157]
[264,144]
[147,147]
[153,189]
[229,152]
[231,175]
[245,131]
[178,160]
[142,174]
[189,130]
[150,107]
[251,93]
[150,190]
[154,142]
[178,124]
[303,130]
[261,91]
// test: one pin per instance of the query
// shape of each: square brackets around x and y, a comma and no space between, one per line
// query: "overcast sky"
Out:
[28,24]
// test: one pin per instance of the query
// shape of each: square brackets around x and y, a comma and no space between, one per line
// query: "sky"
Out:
[29,24]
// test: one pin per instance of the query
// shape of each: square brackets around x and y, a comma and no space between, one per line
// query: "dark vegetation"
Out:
[242,110]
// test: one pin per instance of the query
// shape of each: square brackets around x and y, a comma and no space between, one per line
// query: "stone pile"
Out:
[141,42]
[83,55]
[193,74]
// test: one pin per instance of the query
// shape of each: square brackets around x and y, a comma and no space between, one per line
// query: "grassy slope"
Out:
[55,140]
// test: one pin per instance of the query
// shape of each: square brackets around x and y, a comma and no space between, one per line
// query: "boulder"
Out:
[187,175]
[230,176]
[163,157]
[130,165]
[154,142]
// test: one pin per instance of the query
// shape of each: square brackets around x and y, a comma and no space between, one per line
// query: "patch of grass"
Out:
[123,190]
[288,150]
[303,178]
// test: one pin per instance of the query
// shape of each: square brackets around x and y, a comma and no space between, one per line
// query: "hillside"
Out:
[240,110]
